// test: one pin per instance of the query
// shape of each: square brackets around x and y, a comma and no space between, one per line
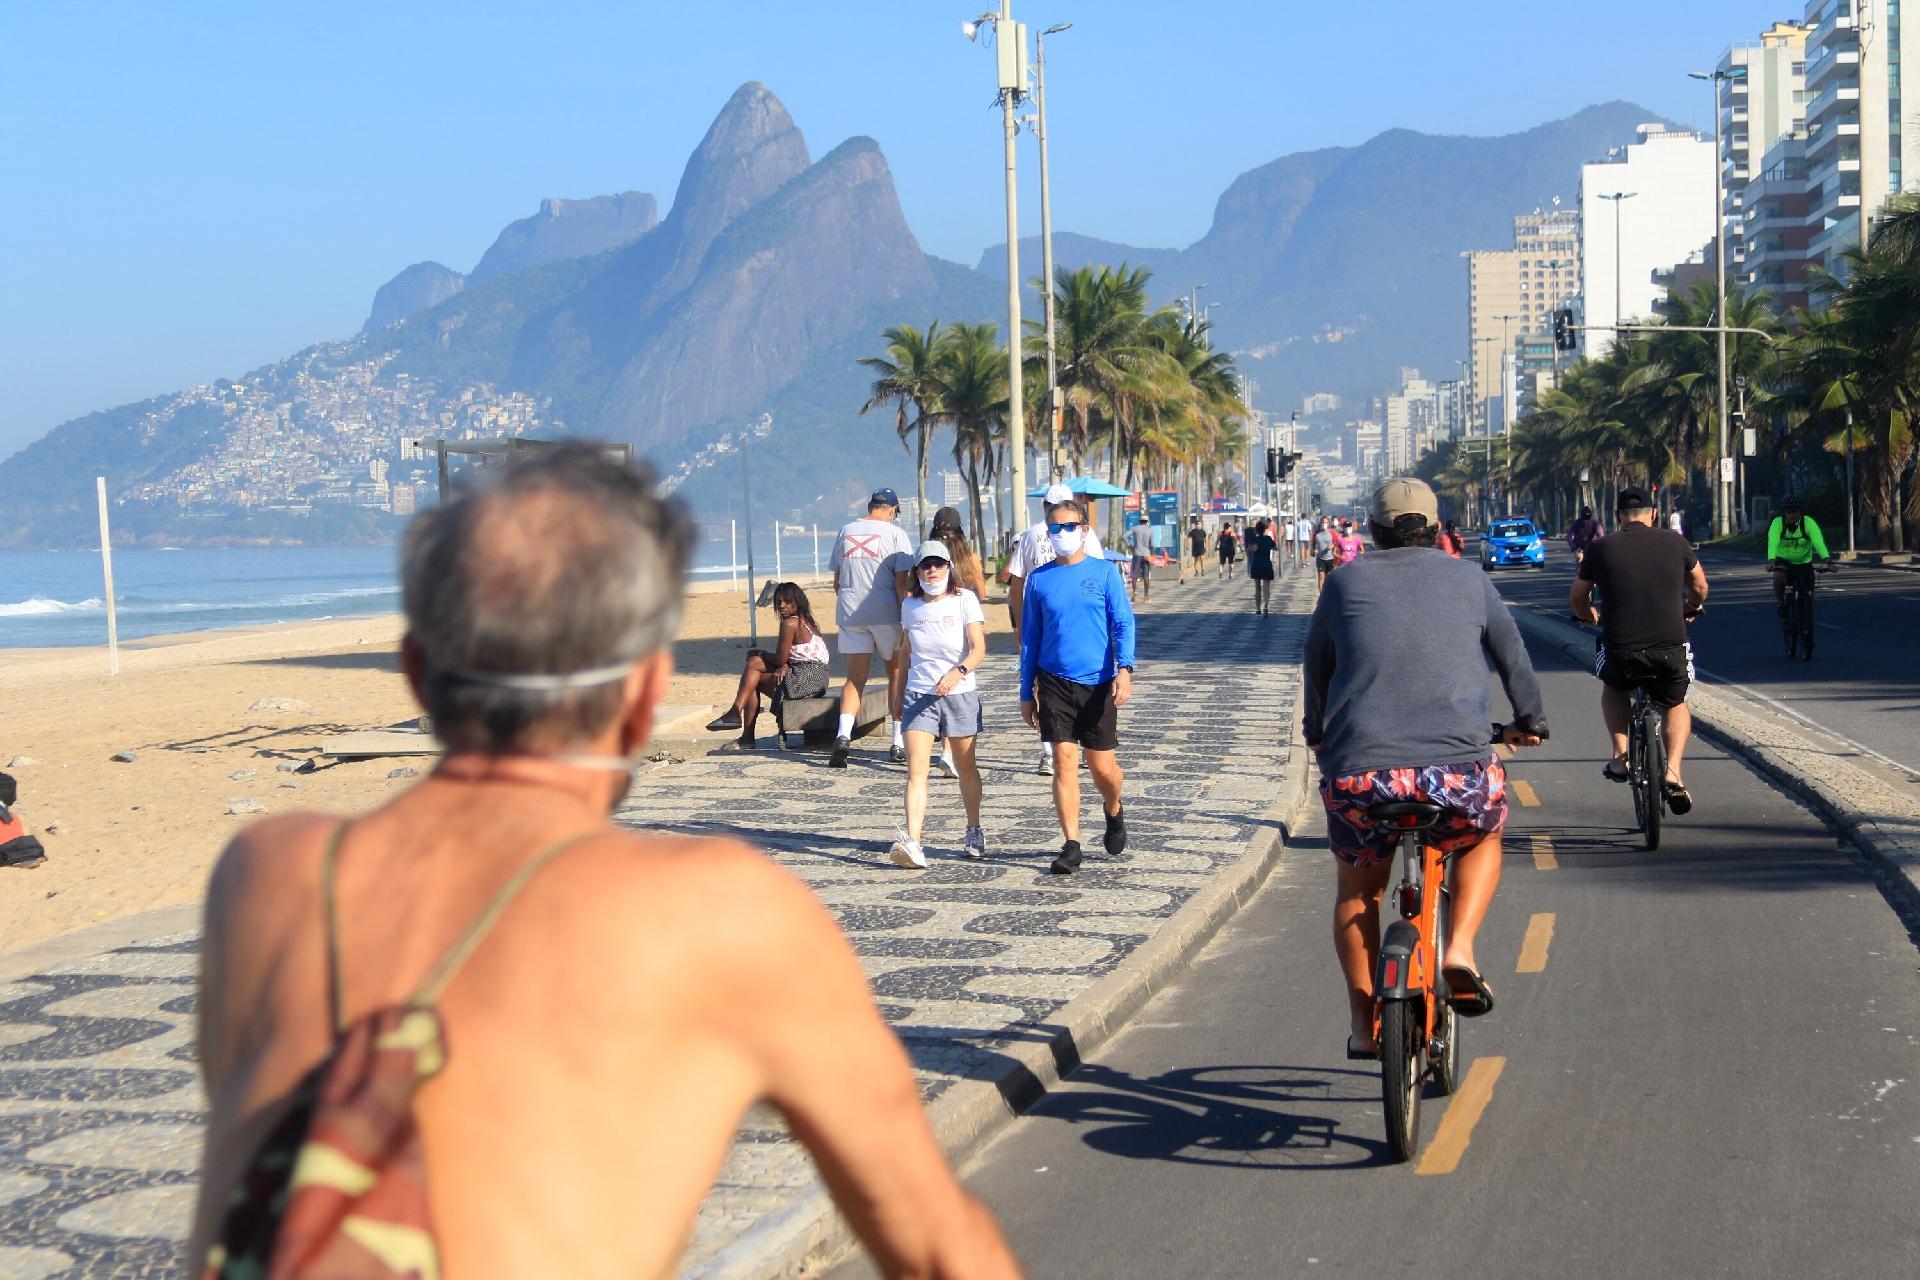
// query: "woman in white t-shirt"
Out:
[944,633]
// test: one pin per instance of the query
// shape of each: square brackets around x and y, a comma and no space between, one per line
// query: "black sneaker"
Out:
[897,754]
[838,760]
[1069,860]
[1116,841]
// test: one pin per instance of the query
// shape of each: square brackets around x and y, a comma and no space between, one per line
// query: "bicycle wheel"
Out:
[1637,770]
[1400,1076]
[1444,1052]
[1790,625]
[1656,754]
[1806,625]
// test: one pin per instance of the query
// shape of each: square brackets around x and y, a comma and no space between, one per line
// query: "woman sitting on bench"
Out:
[797,669]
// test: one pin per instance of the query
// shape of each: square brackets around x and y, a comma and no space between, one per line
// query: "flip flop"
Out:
[1474,1002]
[1677,798]
[1361,1055]
[1606,771]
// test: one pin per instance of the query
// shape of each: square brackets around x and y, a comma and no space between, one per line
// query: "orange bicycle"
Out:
[1415,1023]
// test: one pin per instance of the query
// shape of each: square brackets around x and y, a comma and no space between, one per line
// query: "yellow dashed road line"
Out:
[1523,791]
[1543,858]
[1533,951]
[1456,1127]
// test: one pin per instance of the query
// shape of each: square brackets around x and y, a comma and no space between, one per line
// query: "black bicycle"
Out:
[1796,616]
[1646,767]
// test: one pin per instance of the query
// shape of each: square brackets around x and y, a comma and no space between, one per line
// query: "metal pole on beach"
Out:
[816,551]
[746,490]
[733,553]
[778,572]
[106,569]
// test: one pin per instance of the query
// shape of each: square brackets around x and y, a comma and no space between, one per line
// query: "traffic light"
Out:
[1273,466]
[1563,339]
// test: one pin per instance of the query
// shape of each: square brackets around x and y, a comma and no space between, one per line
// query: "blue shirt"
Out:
[1077,624]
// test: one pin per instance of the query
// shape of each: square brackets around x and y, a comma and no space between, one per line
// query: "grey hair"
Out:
[568,561]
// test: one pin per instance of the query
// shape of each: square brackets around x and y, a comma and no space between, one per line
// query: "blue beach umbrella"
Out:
[1085,487]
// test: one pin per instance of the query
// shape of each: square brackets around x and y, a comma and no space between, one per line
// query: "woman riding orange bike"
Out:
[1397,707]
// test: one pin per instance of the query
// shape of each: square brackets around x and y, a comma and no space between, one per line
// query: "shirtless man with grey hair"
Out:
[634,998]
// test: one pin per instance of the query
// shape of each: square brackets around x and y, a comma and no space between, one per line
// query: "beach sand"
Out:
[124,838]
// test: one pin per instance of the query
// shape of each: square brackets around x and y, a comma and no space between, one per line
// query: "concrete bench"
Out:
[815,719]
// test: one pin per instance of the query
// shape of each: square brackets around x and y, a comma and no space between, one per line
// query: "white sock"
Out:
[899,736]
[846,726]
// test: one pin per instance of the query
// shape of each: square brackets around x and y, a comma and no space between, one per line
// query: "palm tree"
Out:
[909,377]
[971,372]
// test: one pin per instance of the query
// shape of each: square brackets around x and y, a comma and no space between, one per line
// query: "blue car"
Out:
[1512,542]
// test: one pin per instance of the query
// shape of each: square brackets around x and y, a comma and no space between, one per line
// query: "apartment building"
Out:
[1761,98]
[1861,147]
[1646,206]
[1511,295]
[1776,229]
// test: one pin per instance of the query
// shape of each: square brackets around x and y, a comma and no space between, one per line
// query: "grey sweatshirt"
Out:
[1397,661]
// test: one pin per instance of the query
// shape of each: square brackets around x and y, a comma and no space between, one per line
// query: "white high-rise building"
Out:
[1862,142]
[1667,213]
[1761,99]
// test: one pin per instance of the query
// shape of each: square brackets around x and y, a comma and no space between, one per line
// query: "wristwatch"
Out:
[961,667]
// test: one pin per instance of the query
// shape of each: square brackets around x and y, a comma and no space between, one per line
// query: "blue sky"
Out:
[192,196]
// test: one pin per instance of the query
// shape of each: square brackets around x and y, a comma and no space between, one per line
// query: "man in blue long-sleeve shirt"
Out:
[1076,672]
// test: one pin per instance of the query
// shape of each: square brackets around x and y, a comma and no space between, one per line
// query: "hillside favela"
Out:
[760,642]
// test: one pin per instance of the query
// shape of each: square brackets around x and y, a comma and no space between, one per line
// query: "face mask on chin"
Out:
[935,584]
[1065,542]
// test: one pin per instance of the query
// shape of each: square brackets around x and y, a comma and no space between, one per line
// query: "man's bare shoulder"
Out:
[264,857]
[723,889]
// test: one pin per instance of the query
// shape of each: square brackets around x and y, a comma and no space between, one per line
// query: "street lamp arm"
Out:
[1674,328]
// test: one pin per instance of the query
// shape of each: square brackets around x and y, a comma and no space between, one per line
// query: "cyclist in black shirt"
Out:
[1652,585]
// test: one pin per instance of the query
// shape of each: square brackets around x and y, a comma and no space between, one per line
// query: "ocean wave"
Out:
[40,606]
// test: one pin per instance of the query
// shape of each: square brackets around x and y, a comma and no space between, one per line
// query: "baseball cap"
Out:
[1404,496]
[932,549]
[884,498]
[1057,494]
[947,518]
[1631,497]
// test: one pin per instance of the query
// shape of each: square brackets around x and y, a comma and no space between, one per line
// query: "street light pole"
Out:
[1722,479]
[1618,306]
[1046,239]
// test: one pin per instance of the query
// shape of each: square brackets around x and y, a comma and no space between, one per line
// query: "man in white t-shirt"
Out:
[946,640]
[866,555]
[1290,530]
[1303,531]
[1031,550]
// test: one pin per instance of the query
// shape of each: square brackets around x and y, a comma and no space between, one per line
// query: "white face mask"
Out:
[1065,542]
[935,584]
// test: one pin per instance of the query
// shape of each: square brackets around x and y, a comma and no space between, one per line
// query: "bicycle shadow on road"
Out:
[1252,1117]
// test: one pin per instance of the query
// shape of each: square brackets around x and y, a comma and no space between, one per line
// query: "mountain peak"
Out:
[565,228]
[422,285]
[751,150]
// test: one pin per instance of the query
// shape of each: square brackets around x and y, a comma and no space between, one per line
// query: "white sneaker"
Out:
[906,853]
[1046,762]
[942,767]
[976,843]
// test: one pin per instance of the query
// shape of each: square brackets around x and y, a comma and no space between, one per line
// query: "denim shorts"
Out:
[957,715]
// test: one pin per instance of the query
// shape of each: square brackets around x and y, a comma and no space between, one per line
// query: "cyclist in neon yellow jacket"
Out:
[1793,538]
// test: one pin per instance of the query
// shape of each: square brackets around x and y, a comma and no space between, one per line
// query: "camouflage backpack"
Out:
[338,1188]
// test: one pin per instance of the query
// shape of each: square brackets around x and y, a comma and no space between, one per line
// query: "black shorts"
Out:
[1082,713]
[1664,672]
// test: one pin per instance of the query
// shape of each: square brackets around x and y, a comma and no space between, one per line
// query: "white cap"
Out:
[1057,494]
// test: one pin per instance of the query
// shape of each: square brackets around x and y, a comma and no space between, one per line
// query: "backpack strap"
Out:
[336,1005]
[435,983]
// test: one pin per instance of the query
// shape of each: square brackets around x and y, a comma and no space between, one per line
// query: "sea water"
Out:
[57,598]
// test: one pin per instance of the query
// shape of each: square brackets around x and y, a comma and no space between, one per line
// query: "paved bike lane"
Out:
[1710,1072]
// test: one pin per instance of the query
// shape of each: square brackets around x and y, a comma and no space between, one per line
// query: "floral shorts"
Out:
[1474,795]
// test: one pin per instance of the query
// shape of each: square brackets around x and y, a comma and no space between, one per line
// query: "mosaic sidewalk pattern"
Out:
[99,1100]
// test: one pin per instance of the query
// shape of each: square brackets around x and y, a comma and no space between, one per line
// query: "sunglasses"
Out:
[1065,526]
[933,564]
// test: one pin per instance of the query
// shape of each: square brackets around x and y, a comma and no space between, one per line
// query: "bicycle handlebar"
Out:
[1500,731]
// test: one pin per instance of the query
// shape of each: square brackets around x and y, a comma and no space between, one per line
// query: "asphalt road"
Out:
[1863,684]
[1712,1074]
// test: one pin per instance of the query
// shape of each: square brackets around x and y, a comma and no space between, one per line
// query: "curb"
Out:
[807,1236]
[1883,826]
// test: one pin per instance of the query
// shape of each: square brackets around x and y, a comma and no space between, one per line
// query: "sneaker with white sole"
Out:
[942,767]
[1046,762]
[906,853]
[976,843]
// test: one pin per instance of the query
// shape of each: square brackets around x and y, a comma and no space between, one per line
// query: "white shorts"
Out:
[881,638]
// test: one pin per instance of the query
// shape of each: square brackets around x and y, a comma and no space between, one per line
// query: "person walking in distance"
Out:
[970,574]
[1033,549]
[483,1031]
[866,555]
[1197,546]
[1228,546]
[1304,539]
[945,633]
[1140,544]
[1076,672]
[1325,553]
[1261,549]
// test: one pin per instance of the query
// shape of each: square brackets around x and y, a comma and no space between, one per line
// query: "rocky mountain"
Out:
[567,229]
[422,285]
[1334,268]
[1071,251]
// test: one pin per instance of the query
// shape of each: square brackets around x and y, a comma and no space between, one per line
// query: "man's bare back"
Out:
[604,1038]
